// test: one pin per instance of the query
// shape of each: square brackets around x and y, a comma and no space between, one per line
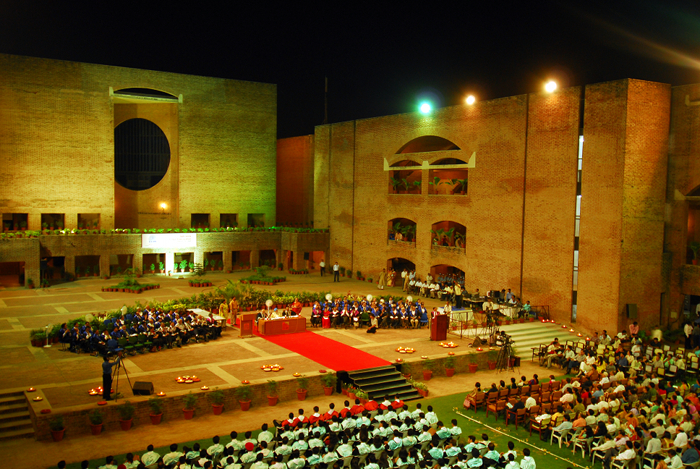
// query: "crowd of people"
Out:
[148,328]
[355,311]
[613,409]
[373,435]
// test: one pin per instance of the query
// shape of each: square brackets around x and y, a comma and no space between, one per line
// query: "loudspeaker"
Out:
[631,311]
[143,388]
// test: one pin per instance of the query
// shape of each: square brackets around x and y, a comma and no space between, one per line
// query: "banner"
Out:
[169,240]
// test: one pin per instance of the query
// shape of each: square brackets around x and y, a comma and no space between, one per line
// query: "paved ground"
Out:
[65,377]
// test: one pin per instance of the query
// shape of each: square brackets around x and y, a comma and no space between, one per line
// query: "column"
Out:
[69,264]
[169,263]
[137,262]
[228,260]
[104,265]
[254,258]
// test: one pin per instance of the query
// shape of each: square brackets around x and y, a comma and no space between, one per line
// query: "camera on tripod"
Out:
[503,339]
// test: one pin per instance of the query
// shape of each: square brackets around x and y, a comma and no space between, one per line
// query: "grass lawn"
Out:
[546,456]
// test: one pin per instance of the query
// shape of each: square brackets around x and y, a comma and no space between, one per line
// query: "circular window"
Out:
[141,154]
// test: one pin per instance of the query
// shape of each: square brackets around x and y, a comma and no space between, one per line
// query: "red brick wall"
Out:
[57,137]
[295,180]
[550,200]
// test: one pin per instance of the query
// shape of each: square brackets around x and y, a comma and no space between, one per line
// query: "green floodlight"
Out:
[425,107]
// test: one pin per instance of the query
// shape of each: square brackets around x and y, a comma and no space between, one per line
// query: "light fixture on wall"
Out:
[163,206]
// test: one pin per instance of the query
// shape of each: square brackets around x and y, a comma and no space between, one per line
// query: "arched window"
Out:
[427,143]
[402,230]
[448,234]
[141,154]
[398,264]
[405,177]
[448,181]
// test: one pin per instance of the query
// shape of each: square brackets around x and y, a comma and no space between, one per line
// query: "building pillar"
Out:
[279,258]
[170,263]
[299,262]
[69,264]
[34,221]
[254,258]
[198,257]
[104,265]
[227,256]
[70,221]
[137,262]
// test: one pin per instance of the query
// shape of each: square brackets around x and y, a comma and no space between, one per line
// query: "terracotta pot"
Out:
[427,374]
[58,434]
[473,367]
[327,391]
[272,400]
[492,365]
[301,394]
[217,408]
[156,418]
[96,429]
[126,424]
[352,395]
[245,405]
[449,372]
[188,413]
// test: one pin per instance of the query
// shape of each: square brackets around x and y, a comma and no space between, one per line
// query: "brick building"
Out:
[583,201]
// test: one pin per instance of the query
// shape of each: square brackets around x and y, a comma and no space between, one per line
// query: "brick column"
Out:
[69,264]
[104,265]
[137,262]
[254,258]
[228,260]
[198,257]
[169,262]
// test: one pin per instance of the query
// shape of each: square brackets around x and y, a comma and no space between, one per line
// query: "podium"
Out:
[438,327]
[247,321]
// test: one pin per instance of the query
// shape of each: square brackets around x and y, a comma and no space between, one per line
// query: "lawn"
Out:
[446,408]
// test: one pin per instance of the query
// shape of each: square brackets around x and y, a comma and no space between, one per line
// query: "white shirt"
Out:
[527,463]
[681,440]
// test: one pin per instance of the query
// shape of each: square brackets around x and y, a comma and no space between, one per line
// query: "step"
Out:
[15,416]
[12,399]
[17,425]
[8,409]
[371,372]
[16,434]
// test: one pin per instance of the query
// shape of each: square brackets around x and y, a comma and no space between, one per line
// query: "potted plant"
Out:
[126,415]
[695,247]
[422,388]
[428,366]
[362,396]
[217,401]
[57,428]
[406,370]
[243,393]
[161,267]
[95,421]
[450,366]
[156,405]
[190,400]
[272,396]
[472,363]
[30,283]
[303,383]
[329,381]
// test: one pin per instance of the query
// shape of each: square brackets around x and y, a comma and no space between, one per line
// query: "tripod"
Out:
[115,373]
[503,361]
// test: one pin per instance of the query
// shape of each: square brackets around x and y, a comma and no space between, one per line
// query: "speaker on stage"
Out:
[143,388]
[632,310]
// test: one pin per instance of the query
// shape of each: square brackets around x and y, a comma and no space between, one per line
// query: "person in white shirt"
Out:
[109,463]
[511,464]
[628,453]
[681,440]
[150,456]
[674,460]
[527,462]
[654,444]
[173,456]
[529,402]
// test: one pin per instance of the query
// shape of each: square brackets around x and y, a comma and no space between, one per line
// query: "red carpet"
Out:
[327,352]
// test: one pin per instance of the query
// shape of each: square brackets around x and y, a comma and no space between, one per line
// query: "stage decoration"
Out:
[270,367]
[399,360]
[579,334]
[424,357]
[161,394]
[204,388]
[31,389]
[479,349]
[448,344]
[296,375]
[450,353]
[187,379]
[405,350]
[38,398]
[571,330]
[245,381]
[48,411]
[102,403]
[322,371]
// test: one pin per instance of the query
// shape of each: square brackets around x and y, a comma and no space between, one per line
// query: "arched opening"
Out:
[446,274]
[398,265]
[427,143]
[448,181]
[693,242]
[402,230]
[141,154]
[405,178]
[448,234]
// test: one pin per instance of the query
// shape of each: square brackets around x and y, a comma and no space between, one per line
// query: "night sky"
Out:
[378,60]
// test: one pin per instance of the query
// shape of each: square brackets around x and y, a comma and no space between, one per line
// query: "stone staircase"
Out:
[532,334]
[383,381]
[15,421]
